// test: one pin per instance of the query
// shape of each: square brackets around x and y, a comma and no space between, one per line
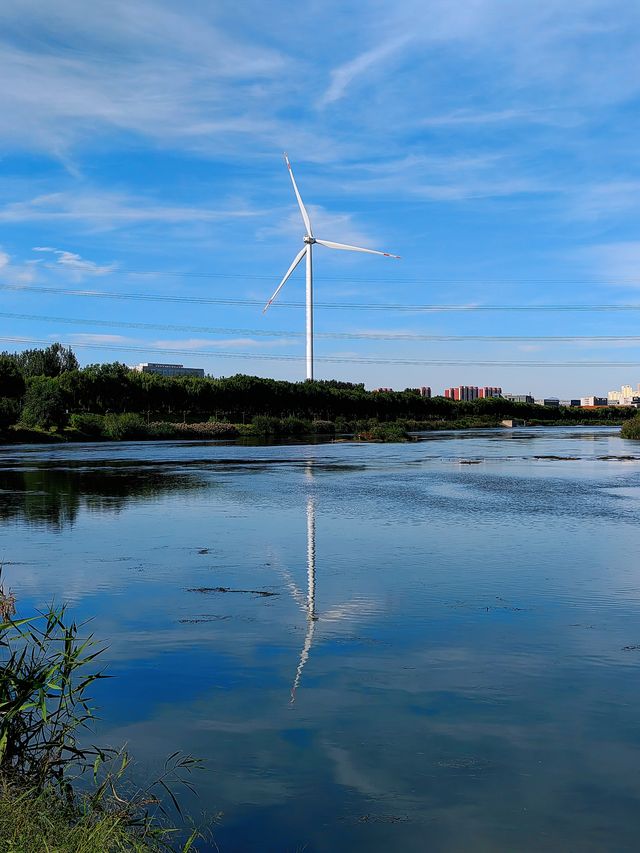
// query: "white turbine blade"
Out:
[303,210]
[295,263]
[347,248]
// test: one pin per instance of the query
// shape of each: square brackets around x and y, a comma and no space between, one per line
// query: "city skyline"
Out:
[492,151]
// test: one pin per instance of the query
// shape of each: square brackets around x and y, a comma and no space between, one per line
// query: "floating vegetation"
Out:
[208,589]
[197,620]
[464,763]
[559,458]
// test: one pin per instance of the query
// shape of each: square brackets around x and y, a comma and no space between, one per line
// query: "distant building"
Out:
[168,369]
[423,391]
[519,398]
[592,402]
[472,392]
[626,396]
[569,403]
[383,390]
[552,402]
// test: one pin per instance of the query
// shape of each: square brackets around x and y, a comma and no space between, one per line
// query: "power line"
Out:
[351,306]
[376,336]
[328,359]
[119,270]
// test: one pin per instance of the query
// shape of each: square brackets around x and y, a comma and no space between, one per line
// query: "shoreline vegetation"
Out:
[631,428]
[58,793]
[46,397]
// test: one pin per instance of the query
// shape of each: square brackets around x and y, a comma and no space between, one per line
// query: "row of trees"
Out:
[41,387]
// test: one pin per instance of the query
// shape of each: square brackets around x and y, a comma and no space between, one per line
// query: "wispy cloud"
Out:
[16,273]
[183,65]
[448,177]
[604,199]
[478,118]
[363,64]
[86,338]
[221,343]
[107,210]
[75,263]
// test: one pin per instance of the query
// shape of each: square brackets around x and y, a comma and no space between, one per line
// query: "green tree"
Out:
[11,380]
[45,404]
[51,361]
[9,412]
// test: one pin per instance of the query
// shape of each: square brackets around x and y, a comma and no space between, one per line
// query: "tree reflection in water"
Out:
[53,497]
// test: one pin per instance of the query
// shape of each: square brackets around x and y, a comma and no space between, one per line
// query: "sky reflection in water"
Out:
[442,665]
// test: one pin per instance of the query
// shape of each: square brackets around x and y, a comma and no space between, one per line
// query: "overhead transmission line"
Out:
[375,336]
[328,359]
[118,270]
[351,306]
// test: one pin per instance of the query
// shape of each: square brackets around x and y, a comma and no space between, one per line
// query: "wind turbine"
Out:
[309,240]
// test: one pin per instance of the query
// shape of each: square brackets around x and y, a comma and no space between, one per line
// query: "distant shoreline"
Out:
[36,437]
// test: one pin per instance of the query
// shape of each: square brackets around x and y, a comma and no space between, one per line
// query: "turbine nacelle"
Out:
[309,240]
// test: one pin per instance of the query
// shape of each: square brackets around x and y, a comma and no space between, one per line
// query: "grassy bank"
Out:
[56,793]
[33,821]
[132,427]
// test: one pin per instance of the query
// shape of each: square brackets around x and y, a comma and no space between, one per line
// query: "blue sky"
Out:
[492,144]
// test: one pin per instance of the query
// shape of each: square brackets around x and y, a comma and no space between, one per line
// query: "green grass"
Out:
[47,663]
[31,822]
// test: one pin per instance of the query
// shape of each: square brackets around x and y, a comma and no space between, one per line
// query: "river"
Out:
[426,646]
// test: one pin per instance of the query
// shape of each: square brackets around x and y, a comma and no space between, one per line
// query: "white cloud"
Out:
[599,200]
[75,73]
[105,211]
[75,263]
[86,339]
[343,76]
[447,178]
[220,343]
[16,274]
[478,118]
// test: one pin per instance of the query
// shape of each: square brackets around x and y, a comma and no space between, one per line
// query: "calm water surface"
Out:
[442,664]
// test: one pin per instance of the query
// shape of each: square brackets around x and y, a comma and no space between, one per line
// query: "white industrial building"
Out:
[168,369]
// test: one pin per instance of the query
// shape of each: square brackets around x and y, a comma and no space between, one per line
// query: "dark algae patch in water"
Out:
[209,589]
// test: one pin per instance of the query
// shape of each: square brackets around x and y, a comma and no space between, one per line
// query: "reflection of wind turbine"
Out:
[307,604]
[310,605]
[309,240]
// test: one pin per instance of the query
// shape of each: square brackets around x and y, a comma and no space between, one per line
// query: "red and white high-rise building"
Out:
[472,392]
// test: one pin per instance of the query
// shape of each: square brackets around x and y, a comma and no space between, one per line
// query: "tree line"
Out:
[43,387]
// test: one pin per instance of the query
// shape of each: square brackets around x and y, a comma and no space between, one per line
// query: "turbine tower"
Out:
[309,240]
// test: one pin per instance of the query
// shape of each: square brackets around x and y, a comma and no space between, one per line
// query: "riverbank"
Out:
[31,821]
[45,804]
[371,430]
